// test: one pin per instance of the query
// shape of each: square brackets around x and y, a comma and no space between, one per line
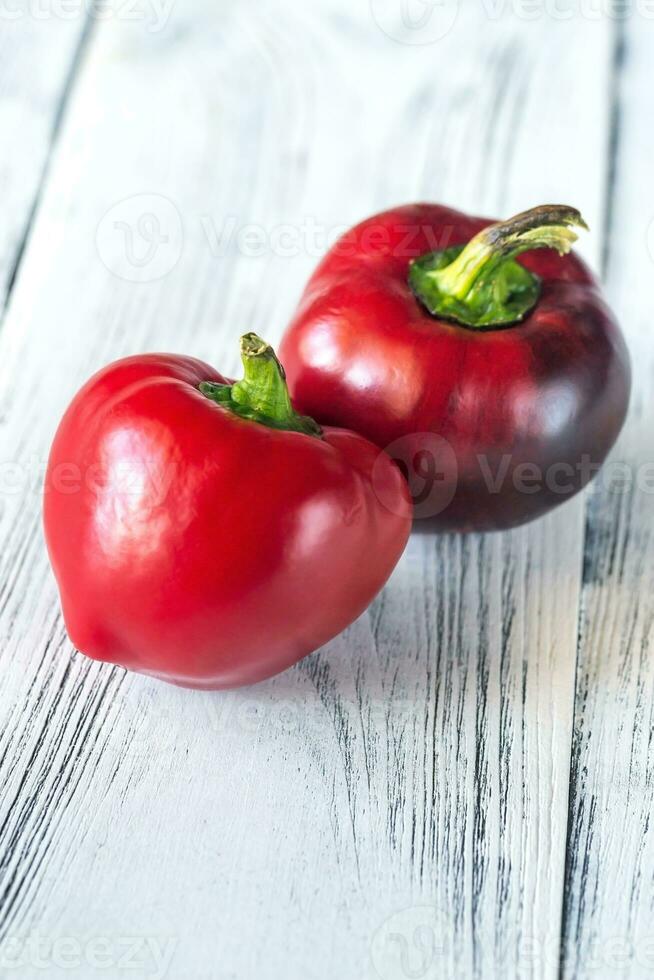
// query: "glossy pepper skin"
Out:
[195,538]
[524,412]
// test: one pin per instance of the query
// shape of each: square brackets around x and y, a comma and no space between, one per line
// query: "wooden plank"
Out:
[398,801]
[38,58]
[609,903]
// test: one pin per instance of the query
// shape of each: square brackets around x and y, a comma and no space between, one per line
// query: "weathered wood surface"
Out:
[38,61]
[609,901]
[397,805]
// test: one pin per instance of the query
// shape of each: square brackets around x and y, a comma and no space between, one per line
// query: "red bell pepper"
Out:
[499,383]
[202,532]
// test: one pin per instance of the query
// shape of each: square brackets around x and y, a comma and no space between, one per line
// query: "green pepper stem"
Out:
[480,284]
[262,394]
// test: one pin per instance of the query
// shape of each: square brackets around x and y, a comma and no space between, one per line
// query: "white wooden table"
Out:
[461,785]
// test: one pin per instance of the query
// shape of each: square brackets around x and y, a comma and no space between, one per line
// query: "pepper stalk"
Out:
[262,394]
[480,284]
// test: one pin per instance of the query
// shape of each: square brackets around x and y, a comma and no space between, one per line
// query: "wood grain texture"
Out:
[610,873]
[38,58]
[396,805]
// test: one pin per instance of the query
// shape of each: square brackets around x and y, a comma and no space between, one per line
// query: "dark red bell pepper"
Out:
[494,373]
[202,532]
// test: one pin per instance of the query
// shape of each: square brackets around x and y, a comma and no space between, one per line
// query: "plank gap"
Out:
[53,139]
